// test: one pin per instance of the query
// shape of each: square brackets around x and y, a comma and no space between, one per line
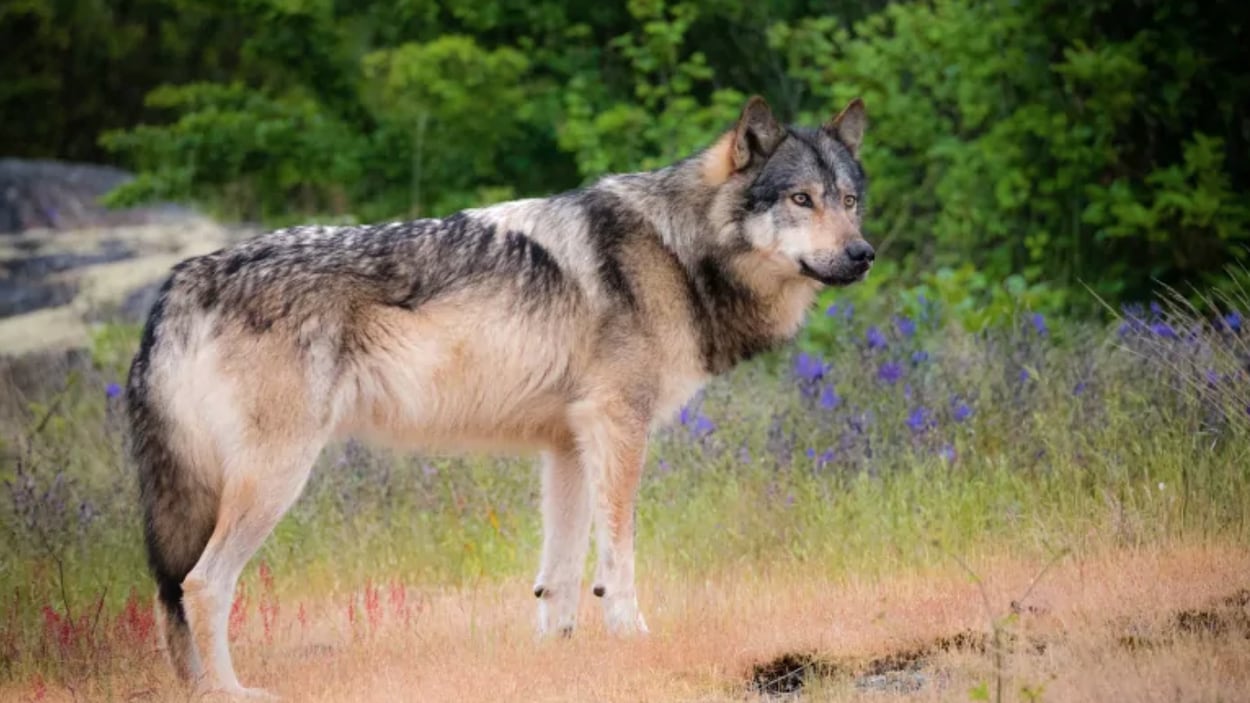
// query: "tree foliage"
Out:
[1019,146]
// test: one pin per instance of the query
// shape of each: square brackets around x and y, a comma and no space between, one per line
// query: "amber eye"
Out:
[802,199]
[849,201]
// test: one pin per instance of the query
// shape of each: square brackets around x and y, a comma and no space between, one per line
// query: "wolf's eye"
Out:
[802,199]
[848,201]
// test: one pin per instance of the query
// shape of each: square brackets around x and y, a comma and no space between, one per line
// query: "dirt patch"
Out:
[789,672]
[900,671]
[1227,616]
[906,670]
[1224,617]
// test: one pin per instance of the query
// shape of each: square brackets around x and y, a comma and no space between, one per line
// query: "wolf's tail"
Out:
[179,512]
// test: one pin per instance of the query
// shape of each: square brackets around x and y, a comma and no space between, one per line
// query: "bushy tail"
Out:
[179,512]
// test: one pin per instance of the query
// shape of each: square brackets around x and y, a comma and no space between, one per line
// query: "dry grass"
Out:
[1125,624]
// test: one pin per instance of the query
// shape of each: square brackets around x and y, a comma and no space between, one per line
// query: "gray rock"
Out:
[56,195]
[55,284]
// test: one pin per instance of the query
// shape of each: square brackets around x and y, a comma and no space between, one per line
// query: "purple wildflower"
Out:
[1079,388]
[1164,330]
[947,452]
[1024,375]
[1233,321]
[829,398]
[890,372]
[1133,319]
[906,327]
[1213,377]
[1039,323]
[876,340]
[703,426]
[919,419]
[849,311]
[808,367]
[823,458]
[112,390]
[960,410]
[832,310]
[919,357]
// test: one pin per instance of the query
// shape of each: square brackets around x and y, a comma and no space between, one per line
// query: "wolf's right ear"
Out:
[757,135]
[848,126]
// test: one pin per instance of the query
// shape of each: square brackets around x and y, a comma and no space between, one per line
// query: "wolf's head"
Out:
[799,192]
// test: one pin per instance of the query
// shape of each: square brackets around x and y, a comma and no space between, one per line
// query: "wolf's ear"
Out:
[848,126]
[758,133]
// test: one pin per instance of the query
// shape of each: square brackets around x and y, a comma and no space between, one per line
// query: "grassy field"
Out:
[1044,511]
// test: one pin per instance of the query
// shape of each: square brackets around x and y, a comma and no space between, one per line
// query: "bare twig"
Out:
[996,622]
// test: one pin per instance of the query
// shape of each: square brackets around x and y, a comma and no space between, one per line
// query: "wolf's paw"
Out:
[557,610]
[621,615]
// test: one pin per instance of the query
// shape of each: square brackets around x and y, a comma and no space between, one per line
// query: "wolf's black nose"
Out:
[859,250]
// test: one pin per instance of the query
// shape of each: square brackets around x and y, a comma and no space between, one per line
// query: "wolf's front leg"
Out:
[566,537]
[614,447]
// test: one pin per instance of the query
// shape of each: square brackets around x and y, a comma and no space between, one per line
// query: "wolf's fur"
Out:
[568,326]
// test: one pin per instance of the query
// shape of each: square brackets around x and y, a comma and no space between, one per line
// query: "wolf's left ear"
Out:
[758,133]
[848,126]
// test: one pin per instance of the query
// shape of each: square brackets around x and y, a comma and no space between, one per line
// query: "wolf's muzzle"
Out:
[840,268]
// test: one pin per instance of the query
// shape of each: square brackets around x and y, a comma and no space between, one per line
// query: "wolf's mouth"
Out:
[845,276]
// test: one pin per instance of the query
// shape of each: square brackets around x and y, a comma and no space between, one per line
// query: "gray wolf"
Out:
[566,326]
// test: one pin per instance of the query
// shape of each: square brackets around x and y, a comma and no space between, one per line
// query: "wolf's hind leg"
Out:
[260,487]
[566,539]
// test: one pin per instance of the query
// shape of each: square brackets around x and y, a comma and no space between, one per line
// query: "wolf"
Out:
[566,326]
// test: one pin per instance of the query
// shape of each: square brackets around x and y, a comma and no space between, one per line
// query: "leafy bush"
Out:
[1079,145]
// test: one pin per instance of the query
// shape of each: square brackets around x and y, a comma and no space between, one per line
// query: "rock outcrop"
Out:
[67,262]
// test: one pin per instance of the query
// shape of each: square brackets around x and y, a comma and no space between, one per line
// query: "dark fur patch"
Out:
[811,139]
[248,257]
[610,223]
[729,317]
[543,276]
[766,190]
